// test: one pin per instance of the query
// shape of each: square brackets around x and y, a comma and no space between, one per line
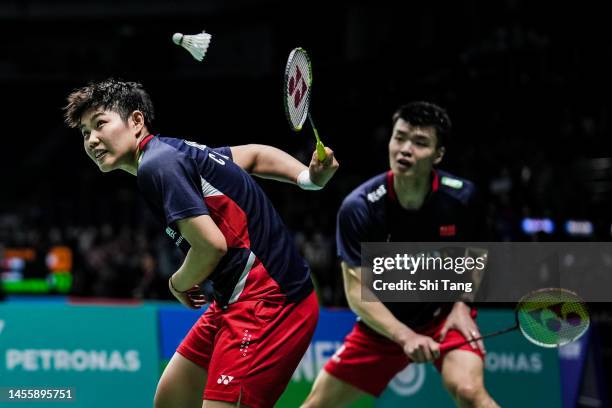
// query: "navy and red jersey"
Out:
[372,213]
[181,179]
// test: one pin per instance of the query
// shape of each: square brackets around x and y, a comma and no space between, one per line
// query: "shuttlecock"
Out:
[196,44]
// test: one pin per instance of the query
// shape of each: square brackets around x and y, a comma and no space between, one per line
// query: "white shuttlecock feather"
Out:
[196,44]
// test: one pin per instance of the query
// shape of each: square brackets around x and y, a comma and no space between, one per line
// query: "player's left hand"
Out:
[321,172]
[192,298]
[460,319]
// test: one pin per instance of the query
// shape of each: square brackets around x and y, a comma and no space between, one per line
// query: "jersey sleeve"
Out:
[351,230]
[225,152]
[173,185]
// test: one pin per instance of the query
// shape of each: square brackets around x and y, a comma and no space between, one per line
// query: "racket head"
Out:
[297,88]
[552,317]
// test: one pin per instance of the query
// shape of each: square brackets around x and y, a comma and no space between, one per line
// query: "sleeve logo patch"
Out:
[451,182]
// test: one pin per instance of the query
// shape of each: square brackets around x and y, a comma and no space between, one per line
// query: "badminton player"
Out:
[239,255]
[411,202]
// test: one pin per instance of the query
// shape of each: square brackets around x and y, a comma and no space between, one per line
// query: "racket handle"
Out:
[321,155]
[452,345]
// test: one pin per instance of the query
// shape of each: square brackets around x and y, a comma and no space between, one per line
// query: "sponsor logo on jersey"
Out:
[377,194]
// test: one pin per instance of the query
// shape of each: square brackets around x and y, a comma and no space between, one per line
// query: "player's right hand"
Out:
[419,348]
[321,172]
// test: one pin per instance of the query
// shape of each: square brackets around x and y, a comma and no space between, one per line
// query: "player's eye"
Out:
[99,124]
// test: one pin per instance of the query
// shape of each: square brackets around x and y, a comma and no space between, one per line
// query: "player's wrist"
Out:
[461,305]
[174,286]
[305,183]
[401,335]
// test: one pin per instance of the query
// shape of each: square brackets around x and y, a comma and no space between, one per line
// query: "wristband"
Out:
[303,180]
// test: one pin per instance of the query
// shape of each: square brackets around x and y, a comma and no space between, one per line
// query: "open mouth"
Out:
[405,163]
[100,154]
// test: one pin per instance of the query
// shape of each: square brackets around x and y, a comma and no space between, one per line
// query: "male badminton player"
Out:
[410,202]
[245,347]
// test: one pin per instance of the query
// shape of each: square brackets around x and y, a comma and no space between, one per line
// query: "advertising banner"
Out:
[91,356]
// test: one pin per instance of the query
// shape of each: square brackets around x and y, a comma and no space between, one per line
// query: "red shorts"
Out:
[252,348]
[368,360]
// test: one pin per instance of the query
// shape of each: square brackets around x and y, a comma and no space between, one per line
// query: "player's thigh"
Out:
[462,369]
[181,384]
[329,391]
[220,404]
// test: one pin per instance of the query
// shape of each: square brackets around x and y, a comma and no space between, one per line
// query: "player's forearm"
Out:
[269,162]
[197,266]
[377,317]
[208,246]
[373,313]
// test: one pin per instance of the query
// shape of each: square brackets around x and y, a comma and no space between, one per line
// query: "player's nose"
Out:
[93,140]
[406,148]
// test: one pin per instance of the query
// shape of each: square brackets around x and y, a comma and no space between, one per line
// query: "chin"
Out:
[403,173]
[105,168]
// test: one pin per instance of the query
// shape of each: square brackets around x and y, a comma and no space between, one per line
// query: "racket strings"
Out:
[552,317]
[297,92]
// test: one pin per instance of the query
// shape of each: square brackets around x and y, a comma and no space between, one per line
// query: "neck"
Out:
[132,166]
[411,190]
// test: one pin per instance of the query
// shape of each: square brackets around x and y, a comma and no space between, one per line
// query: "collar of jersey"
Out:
[142,145]
[435,184]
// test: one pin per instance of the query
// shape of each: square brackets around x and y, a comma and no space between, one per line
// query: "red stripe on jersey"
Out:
[231,220]
[435,183]
[390,187]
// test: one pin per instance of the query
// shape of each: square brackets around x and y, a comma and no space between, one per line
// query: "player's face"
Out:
[412,149]
[108,140]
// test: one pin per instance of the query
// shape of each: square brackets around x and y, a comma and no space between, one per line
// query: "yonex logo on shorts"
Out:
[225,379]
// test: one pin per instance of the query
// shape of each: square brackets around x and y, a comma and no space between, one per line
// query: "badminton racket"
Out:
[550,317]
[298,92]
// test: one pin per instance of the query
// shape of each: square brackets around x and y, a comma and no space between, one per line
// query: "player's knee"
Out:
[319,399]
[164,395]
[161,400]
[311,402]
[468,394]
[314,399]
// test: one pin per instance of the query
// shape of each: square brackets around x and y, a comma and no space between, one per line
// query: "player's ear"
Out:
[439,154]
[137,120]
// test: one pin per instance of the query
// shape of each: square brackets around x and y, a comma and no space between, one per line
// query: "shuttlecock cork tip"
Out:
[177,38]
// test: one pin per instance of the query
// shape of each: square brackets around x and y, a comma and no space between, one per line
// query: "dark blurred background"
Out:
[526,84]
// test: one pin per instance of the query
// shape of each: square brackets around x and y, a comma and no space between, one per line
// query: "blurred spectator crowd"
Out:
[526,96]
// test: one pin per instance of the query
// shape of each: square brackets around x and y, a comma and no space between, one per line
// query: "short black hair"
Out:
[112,94]
[426,114]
